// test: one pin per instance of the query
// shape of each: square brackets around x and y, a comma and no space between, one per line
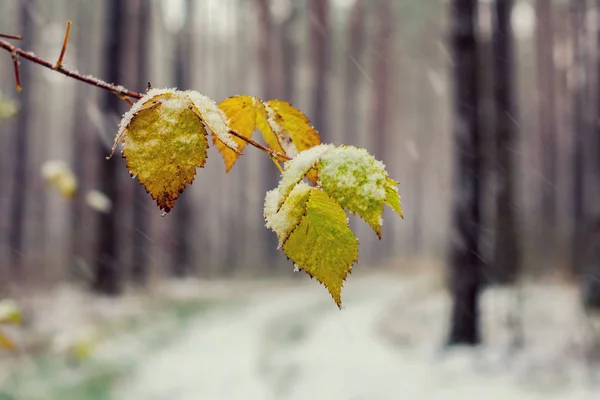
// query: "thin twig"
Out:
[59,62]
[120,91]
[13,37]
[90,80]
[259,146]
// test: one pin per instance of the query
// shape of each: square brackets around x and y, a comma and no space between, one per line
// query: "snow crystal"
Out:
[299,166]
[296,268]
[215,118]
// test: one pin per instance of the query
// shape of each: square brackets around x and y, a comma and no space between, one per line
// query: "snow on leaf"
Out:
[284,221]
[298,167]
[322,244]
[357,181]
[349,175]
[213,117]
[164,140]
[392,198]
[60,176]
[244,114]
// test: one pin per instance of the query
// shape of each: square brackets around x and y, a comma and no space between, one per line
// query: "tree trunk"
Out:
[381,87]
[355,50]
[107,279]
[590,281]
[319,37]
[580,130]
[464,261]
[289,51]
[138,68]
[19,183]
[182,214]
[547,131]
[507,257]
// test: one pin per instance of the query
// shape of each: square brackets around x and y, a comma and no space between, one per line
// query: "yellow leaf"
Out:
[244,113]
[296,124]
[322,244]
[284,128]
[164,141]
[6,342]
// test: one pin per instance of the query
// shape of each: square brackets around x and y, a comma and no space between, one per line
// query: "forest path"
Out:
[295,344]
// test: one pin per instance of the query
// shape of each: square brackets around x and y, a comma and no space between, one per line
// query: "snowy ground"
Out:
[294,344]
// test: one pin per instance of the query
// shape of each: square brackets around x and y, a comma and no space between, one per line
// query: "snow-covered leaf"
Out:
[351,176]
[322,244]
[165,140]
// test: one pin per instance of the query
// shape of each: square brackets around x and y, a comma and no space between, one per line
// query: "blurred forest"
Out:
[485,111]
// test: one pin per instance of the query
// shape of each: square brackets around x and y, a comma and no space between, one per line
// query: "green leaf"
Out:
[392,198]
[322,244]
[357,181]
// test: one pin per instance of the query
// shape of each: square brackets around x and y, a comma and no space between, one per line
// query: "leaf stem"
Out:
[119,90]
[59,62]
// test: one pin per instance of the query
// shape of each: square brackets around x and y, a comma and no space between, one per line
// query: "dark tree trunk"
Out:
[355,50]
[381,76]
[580,130]
[19,155]
[464,261]
[590,278]
[506,260]
[182,214]
[319,37]
[107,279]
[547,131]
[139,243]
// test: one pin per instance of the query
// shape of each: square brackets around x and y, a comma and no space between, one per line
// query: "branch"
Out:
[119,90]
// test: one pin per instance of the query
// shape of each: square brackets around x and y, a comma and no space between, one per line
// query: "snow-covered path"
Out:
[295,344]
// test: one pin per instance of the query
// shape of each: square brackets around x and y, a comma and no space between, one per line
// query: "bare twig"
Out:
[13,37]
[59,62]
[90,80]
[120,91]
[276,154]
